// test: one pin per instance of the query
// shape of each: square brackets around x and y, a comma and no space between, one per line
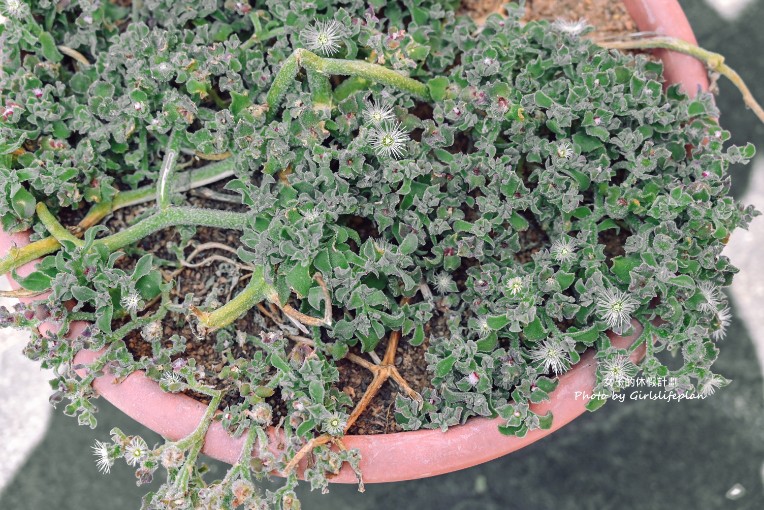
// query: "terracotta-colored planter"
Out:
[405,455]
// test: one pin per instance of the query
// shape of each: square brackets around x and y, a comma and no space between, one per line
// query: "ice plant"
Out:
[552,355]
[444,283]
[721,322]
[515,285]
[711,295]
[131,301]
[103,457]
[564,150]
[618,372]
[377,113]
[563,250]
[389,140]
[136,451]
[324,36]
[528,191]
[335,424]
[615,307]
[571,27]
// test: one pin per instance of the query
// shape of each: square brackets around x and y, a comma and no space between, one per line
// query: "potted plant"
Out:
[515,212]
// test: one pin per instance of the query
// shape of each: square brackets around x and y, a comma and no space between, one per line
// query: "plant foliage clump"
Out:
[396,165]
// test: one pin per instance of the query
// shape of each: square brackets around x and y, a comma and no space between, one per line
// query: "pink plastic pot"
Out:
[422,453]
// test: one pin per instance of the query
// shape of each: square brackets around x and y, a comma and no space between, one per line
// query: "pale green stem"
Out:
[184,181]
[713,61]
[165,172]
[338,67]
[256,291]
[53,226]
[349,87]
[195,441]
[321,90]
[172,216]
[263,36]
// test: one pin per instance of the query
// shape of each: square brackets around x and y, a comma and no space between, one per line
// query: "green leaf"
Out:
[49,49]
[496,322]
[543,100]
[305,427]
[300,280]
[150,285]
[683,281]
[316,391]
[519,430]
[586,142]
[339,350]
[585,336]
[444,366]
[696,108]
[36,281]
[595,403]
[142,267]
[409,244]
[565,280]
[489,343]
[534,331]
[104,315]
[622,267]
[197,87]
[518,222]
[23,203]
[83,294]
[418,337]
[279,363]
[462,226]
[239,102]
[547,385]
[444,156]
[437,87]
[545,421]
[344,329]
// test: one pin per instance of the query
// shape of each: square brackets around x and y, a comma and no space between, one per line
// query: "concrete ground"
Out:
[634,455]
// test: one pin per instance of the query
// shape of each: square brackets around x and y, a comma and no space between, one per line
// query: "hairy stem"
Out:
[173,216]
[195,441]
[257,290]
[54,227]
[184,181]
[713,61]
[165,172]
[166,218]
[339,67]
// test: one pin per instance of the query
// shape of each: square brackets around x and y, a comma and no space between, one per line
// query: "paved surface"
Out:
[634,455]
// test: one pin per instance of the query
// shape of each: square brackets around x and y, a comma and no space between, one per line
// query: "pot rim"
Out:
[402,455]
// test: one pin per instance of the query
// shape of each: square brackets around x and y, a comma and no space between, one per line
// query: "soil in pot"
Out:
[219,280]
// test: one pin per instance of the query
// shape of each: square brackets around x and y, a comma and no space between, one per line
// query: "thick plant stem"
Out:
[162,219]
[713,61]
[349,87]
[173,216]
[184,181]
[256,290]
[338,67]
[320,91]
[165,172]
[53,226]
[195,441]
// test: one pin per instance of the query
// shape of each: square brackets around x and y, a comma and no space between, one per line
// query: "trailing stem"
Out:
[713,61]
[165,172]
[336,67]
[171,216]
[184,181]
